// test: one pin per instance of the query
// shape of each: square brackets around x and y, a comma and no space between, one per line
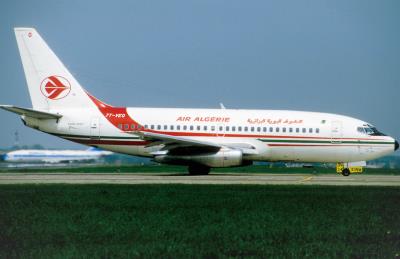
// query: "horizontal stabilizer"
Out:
[30,112]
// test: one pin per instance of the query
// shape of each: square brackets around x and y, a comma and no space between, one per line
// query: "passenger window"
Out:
[198,127]
[227,128]
[277,129]
[191,127]
[361,130]
[310,130]
[221,128]
[317,130]
[304,130]
[239,128]
[264,129]
[297,130]
[252,129]
[120,126]
[271,129]
[152,126]
[205,128]
[258,129]
[290,130]
[212,128]
[178,127]
[246,129]
[146,126]
[171,127]
[184,127]
[283,129]
[233,128]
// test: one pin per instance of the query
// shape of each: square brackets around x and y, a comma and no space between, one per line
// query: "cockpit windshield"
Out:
[369,130]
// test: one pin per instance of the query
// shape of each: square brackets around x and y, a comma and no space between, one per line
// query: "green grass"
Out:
[183,169]
[170,221]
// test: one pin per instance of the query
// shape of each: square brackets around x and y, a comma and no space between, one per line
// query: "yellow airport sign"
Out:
[353,169]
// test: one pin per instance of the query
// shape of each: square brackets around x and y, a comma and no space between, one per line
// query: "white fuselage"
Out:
[275,135]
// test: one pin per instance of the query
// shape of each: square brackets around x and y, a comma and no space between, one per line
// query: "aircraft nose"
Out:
[396,145]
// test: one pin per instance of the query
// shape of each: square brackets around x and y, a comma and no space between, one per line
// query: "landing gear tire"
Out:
[346,172]
[199,170]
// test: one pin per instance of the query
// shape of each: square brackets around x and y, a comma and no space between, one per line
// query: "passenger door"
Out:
[94,128]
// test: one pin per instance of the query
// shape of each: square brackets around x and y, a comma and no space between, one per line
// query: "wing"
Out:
[174,145]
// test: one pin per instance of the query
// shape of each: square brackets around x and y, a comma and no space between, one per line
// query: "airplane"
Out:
[197,138]
[53,156]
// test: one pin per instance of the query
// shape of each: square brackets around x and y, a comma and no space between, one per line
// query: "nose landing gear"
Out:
[346,172]
[346,169]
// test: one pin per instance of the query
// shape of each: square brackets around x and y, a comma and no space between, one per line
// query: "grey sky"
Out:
[330,56]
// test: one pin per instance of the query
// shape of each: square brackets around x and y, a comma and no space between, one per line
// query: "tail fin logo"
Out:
[55,87]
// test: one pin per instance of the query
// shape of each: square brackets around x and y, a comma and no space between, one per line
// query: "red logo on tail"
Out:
[55,87]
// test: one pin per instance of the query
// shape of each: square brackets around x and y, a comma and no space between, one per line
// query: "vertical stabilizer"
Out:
[51,85]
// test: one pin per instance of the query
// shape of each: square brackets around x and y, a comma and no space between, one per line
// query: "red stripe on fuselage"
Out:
[200,134]
[309,145]
[109,142]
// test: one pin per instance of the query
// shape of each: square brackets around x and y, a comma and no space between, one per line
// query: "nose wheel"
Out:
[346,172]
[348,168]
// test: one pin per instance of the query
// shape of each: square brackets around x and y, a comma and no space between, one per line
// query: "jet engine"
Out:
[222,158]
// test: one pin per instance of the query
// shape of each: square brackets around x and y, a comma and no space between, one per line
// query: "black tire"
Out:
[346,172]
[199,170]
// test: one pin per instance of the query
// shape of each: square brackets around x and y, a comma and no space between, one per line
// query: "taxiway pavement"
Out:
[214,178]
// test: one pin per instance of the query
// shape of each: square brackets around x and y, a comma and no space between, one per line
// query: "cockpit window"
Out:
[369,130]
[361,130]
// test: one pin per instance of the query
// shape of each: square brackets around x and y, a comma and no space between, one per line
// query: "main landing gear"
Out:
[199,170]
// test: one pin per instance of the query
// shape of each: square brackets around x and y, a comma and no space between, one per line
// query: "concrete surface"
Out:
[214,178]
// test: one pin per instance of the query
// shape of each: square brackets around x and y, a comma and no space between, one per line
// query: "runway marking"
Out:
[306,179]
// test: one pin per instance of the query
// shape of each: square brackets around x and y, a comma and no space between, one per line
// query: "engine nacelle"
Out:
[223,158]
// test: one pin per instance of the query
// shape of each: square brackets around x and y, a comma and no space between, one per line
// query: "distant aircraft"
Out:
[198,138]
[54,156]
